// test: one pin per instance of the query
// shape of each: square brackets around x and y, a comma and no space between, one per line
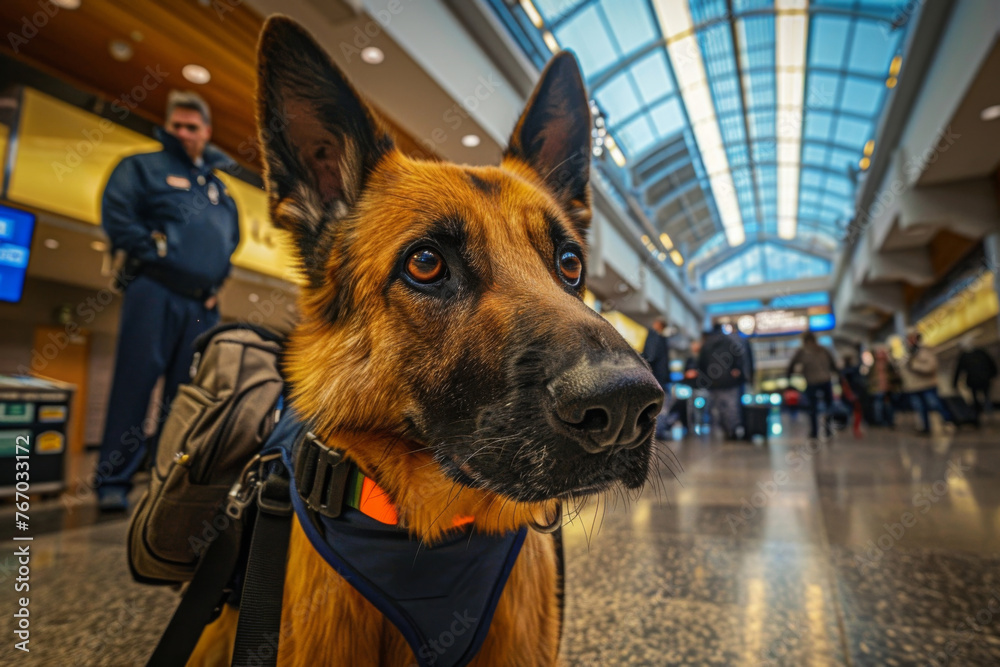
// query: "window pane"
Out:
[585,34]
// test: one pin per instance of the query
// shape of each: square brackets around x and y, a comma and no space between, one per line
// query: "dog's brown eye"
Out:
[571,267]
[425,266]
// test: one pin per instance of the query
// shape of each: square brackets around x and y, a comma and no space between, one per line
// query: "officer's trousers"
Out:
[155,339]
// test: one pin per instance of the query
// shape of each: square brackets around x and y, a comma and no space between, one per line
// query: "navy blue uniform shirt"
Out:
[166,192]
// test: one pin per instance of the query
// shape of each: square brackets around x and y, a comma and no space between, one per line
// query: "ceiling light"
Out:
[533,15]
[550,41]
[372,55]
[66,4]
[791,25]
[253,296]
[99,246]
[196,74]
[869,147]
[665,240]
[677,257]
[614,151]
[689,69]
[470,140]
[864,163]
[120,50]
[895,65]
[990,113]
[662,257]
[891,82]
[51,244]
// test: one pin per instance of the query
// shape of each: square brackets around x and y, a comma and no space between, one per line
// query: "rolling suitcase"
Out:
[962,413]
[755,421]
[840,415]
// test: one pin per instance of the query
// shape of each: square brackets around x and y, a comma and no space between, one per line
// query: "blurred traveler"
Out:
[691,364]
[177,226]
[818,367]
[883,381]
[979,370]
[919,370]
[682,410]
[723,368]
[854,389]
[790,398]
[657,352]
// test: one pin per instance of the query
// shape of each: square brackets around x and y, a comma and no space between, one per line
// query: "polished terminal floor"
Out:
[879,551]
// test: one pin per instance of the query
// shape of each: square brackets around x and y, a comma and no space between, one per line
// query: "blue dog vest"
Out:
[441,597]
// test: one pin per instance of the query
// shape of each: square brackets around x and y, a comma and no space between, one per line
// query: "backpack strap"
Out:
[204,596]
[259,626]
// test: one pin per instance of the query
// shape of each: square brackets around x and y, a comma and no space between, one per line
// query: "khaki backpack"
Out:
[216,426]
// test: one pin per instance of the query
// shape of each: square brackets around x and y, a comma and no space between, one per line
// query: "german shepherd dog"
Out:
[443,344]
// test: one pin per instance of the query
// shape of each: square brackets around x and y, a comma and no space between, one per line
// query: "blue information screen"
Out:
[824,322]
[16,228]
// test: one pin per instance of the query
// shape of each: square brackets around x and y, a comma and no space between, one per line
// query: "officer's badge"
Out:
[213,193]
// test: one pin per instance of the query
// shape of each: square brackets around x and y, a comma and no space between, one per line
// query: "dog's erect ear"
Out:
[320,140]
[553,136]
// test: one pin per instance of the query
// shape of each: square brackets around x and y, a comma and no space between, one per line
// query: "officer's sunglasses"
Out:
[190,127]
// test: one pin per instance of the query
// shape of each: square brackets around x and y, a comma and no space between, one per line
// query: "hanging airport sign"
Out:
[776,322]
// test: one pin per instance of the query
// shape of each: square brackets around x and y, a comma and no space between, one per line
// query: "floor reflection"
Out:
[878,551]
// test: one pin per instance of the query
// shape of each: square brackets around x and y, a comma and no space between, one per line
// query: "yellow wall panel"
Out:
[65,155]
[263,248]
[971,307]
[631,331]
[4,132]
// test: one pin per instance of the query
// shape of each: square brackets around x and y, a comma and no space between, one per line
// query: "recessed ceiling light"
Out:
[990,113]
[253,297]
[470,140]
[51,244]
[120,50]
[66,4]
[196,74]
[372,55]
[99,246]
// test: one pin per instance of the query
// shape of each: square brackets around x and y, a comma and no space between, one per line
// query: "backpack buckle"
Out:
[241,494]
[246,488]
[274,489]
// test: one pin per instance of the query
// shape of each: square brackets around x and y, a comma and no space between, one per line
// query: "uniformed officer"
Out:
[178,227]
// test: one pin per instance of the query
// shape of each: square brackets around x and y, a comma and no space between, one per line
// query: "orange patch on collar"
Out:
[374,502]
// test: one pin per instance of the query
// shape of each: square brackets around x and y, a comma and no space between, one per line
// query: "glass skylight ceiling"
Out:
[778,100]
[764,263]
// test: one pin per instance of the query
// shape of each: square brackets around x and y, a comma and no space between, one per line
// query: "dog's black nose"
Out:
[605,405]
